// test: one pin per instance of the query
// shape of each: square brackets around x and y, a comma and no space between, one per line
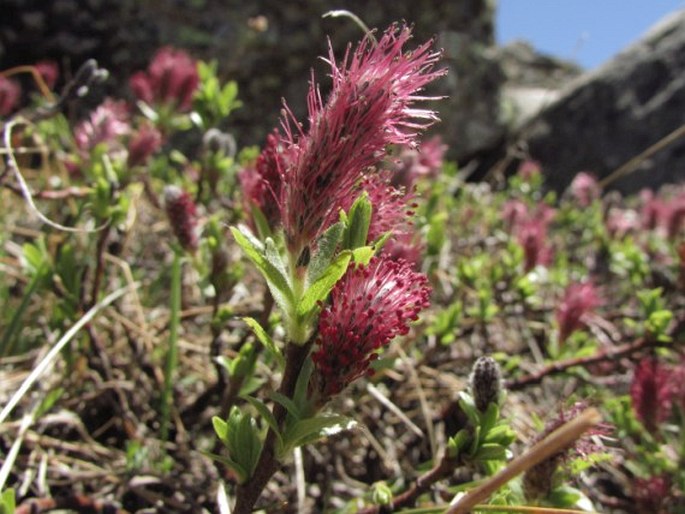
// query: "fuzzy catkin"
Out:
[486,382]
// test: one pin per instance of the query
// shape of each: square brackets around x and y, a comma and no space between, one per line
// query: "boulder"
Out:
[532,81]
[269,47]
[608,116]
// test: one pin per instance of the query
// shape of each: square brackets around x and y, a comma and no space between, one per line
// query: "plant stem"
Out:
[248,493]
[561,366]
[558,440]
[11,334]
[420,486]
[99,265]
[609,354]
[172,350]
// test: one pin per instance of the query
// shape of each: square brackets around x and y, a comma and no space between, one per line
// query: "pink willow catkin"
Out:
[370,306]
[370,106]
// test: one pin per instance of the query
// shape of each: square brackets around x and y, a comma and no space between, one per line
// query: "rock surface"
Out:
[595,121]
[532,81]
[608,116]
[268,47]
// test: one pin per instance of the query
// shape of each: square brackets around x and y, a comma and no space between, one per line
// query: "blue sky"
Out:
[586,31]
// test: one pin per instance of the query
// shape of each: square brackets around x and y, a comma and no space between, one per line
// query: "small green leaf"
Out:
[301,387]
[239,471]
[266,340]
[35,257]
[358,221]
[7,502]
[458,442]
[501,434]
[363,254]
[308,430]
[287,404]
[243,439]
[381,493]
[489,418]
[49,401]
[657,324]
[274,256]
[277,282]
[382,239]
[565,496]
[248,443]
[326,246]
[264,412]
[490,451]
[260,221]
[319,290]
[221,428]
[243,364]
[469,408]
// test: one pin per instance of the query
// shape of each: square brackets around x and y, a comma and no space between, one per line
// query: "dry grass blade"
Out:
[47,362]
[300,479]
[25,191]
[378,395]
[222,500]
[556,441]
[635,162]
[344,13]
[14,450]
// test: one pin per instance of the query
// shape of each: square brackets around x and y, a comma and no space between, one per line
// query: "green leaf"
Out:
[436,236]
[266,340]
[308,430]
[475,441]
[264,412]
[35,257]
[489,418]
[319,290]
[243,439]
[382,239]
[249,237]
[501,434]
[49,401]
[248,443]
[243,364]
[274,256]
[221,428]
[565,496]
[381,493]
[458,442]
[326,246]
[490,451]
[657,324]
[287,404]
[358,221]
[275,279]
[7,502]
[13,331]
[262,225]
[300,395]
[469,408]
[241,472]
[363,254]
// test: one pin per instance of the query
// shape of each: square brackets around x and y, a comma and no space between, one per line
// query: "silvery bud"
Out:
[486,382]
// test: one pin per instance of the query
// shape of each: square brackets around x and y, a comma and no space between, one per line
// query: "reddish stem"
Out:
[248,493]
[421,485]
[609,354]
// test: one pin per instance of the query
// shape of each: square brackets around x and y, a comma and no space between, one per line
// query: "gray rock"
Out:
[532,82]
[269,48]
[612,114]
